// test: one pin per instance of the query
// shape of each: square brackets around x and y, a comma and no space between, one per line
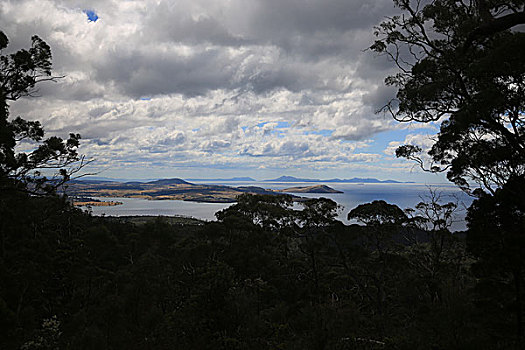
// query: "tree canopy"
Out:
[20,72]
[461,63]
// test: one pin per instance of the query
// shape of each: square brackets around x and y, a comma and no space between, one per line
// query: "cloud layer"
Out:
[232,85]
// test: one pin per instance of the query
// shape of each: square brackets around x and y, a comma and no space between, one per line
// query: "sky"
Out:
[222,88]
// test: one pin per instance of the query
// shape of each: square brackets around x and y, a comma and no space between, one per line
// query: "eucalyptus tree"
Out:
[461,63]
[20,72]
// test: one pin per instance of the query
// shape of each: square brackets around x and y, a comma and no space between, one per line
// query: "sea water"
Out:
[354,194]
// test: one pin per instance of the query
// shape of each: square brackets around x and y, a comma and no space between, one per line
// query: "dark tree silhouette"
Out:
[20,72]
[497,238]
[461,63]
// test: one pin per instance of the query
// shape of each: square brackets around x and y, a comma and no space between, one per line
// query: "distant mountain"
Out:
[368,180]
[311,189]
[163,182]
[174,181]
[237,179]
[292,179]
[353,180]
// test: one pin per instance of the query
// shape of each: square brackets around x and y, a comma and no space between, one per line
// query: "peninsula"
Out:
[165,189]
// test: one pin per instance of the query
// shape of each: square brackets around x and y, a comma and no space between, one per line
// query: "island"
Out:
[311,189]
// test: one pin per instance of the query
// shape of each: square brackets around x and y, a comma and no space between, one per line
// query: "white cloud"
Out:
[424,141]
[248,84]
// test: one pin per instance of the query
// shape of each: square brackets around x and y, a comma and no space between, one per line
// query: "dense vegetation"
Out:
[461,64]
[266,276]
[263,276]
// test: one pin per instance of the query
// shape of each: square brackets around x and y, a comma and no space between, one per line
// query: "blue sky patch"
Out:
[280,125]
[91,15]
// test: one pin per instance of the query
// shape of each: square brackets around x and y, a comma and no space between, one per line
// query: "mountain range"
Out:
[353,180]
[92,179]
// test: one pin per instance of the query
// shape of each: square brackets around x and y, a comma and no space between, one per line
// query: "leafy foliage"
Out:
[461,63]
[496,239]
[377,213]
[226,284]
[19,73]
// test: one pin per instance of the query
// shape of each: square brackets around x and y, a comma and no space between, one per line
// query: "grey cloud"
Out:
[167,22]
[210,67]
[72,90]
[294,149]
[377,98]
[277,16]
[98,111]
[360,128]
[285,44]
[173,140]
[304,35]
[213,146]
[139,74]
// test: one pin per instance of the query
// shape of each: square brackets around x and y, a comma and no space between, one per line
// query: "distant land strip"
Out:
[353,180]
[284,178]
[173,189]
[165,189]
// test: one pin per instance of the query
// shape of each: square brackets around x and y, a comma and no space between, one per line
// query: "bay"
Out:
[402,195]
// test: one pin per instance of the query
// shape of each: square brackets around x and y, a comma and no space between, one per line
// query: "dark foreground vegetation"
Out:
[265,276]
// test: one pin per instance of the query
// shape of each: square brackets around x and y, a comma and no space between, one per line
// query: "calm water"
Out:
[403,195]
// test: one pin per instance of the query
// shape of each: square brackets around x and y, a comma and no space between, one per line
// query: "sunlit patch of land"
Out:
[168,189]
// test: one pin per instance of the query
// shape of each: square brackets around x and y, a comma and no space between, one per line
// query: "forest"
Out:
[267,275]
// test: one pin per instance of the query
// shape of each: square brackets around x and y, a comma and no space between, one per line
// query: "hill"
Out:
[311,189]
[163,182]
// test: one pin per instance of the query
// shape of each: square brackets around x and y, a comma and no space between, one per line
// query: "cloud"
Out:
[239,83]
[425,141]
